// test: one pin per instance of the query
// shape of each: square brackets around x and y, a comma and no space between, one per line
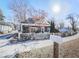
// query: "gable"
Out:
[36,21]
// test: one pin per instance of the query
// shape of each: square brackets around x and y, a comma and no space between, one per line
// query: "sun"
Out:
[56,8]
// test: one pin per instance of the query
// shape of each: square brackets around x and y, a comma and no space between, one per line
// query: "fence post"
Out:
[56,50]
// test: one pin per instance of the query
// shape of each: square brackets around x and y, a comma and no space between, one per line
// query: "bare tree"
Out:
[77,19]
[19,9]
[40,14]
[61,25]
[73,22]
[1,15]
[32,11]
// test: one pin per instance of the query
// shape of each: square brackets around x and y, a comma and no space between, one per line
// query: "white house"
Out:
[36,26]
[5,27]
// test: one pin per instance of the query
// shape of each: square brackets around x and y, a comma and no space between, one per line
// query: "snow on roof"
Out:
[33,22]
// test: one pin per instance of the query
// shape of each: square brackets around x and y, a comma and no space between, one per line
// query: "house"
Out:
[34,25]
[5,27]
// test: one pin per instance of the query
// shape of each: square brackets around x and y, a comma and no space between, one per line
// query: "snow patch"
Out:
[3,42]
[11,50]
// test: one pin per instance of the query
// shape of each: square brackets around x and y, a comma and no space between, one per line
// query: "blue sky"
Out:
[67,6]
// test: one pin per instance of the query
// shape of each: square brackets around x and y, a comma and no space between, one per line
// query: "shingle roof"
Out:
[36,21]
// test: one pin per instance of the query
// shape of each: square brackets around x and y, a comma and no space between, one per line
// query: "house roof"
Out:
[36,22]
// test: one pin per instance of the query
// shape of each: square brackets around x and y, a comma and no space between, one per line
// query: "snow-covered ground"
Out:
[3,42]
[59,39]
[71,38]
[11,50]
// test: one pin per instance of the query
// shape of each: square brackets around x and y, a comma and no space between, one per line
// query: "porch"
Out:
[35,28]
[34,32]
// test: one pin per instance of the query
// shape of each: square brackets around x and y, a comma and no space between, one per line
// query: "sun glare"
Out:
[56,8]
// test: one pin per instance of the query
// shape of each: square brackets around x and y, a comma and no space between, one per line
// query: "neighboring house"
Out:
[5,27]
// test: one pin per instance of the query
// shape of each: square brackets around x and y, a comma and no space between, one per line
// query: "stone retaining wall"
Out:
[70,48]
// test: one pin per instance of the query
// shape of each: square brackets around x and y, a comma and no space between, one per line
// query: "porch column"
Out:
[29,30]
[42,29]
[21,28]
[48,29]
